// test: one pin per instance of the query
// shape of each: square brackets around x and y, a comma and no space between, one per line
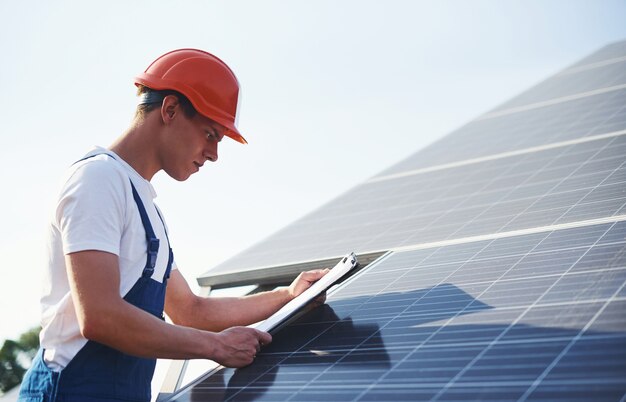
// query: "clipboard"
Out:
[345,265]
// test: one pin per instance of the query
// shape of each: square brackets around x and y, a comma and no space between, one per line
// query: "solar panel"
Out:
[577,82]
[538,316]
[609,52]
[566,184]
[507,170]
[586,117]
[506,278]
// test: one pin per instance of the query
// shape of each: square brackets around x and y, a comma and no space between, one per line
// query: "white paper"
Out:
[317,288]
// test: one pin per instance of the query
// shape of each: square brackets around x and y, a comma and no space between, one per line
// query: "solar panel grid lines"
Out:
[552,365]
[550,102]
[618,219]
[470,184]
[436,396]
[497,156]
[499,203]
[561,122]
[495,205]
[428,358]
[513,323]
[609,52]
[556,186]
[590,66]
[433,334]
[391,284]
[337,222]
[563,87]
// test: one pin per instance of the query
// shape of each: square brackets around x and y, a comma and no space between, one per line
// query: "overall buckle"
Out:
[153,250]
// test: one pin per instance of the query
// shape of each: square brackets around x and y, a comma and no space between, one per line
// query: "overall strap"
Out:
[170,258]
[153,242]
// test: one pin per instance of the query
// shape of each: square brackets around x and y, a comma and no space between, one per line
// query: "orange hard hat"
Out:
[208,83]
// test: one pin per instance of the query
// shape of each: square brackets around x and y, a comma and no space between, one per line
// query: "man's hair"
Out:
[145,108]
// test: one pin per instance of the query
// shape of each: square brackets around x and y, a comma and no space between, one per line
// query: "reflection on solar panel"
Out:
[535,316]
[506,276]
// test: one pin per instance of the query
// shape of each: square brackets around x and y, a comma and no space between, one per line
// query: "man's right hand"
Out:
[238,346]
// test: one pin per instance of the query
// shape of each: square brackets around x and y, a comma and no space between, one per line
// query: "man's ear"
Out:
[169,108]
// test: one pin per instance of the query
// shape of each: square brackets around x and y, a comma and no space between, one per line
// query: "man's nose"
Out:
[210,153]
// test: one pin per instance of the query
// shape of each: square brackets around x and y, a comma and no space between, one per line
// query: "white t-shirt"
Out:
[95,210]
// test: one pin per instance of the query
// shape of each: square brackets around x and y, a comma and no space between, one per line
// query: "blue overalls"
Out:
[99,373]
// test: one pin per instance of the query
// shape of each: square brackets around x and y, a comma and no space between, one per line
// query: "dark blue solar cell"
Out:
[528,331]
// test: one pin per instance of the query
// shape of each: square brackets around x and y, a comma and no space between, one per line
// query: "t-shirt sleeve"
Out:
[91,209]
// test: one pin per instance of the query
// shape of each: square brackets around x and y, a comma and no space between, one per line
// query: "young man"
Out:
[110,261]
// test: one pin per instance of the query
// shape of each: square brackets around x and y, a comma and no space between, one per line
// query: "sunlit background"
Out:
[333,92]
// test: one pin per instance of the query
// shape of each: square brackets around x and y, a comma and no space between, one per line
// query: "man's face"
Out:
[191,142]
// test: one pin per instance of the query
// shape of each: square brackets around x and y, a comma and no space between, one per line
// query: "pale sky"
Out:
[333,92]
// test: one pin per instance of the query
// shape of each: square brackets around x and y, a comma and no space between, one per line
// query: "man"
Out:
[110,262]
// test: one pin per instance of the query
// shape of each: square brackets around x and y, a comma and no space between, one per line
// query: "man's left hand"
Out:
[305,280]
